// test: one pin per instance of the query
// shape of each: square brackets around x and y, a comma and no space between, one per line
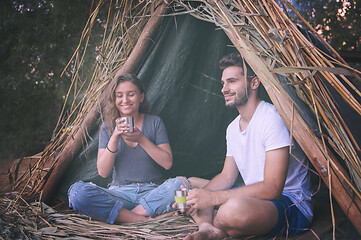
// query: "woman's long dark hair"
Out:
[111,112]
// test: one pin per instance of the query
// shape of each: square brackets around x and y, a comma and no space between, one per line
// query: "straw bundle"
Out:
[125,21]
[39,221]
[270,43]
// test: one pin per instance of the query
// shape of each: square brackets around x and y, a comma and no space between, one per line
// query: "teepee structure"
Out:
[308,82]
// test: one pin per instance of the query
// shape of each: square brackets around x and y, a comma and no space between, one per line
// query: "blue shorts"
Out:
[104,204]
[291,221]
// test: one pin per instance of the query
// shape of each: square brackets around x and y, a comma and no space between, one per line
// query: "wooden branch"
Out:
[349,202]
[73,147]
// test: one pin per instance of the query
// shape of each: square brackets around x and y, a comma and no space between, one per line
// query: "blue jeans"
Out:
[104,204]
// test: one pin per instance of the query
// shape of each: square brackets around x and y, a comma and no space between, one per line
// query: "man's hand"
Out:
[200,198]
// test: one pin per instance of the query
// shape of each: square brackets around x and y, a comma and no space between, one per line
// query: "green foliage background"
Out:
[37,39]
[337,20]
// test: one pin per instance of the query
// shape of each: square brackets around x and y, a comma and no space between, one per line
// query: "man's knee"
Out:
[166,190]
[231,214]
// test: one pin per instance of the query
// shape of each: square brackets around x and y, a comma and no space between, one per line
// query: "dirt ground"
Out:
[4,166]
[344,228]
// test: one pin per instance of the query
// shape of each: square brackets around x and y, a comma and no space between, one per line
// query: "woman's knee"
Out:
[79,193]
[198,182]
[177,182]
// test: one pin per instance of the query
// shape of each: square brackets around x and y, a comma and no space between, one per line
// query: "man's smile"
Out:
[229,95]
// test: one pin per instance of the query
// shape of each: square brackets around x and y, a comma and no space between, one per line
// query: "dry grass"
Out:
[270,43]
[126,20]
[39,221]
[265,36]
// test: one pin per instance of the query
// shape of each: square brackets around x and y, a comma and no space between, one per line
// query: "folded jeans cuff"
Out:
[149,211]
[114,212]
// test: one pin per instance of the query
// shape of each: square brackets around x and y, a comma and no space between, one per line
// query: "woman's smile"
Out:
[128,98]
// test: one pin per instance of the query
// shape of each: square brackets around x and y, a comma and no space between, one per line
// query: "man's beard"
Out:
[241,98]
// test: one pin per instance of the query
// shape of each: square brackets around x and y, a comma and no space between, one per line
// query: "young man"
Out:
[276,197]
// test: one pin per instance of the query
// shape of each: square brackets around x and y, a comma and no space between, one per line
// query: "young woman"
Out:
[136,191]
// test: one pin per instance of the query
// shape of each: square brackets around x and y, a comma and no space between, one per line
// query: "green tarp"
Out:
[182,79]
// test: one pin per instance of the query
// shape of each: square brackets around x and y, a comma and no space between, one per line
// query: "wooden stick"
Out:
[315,32]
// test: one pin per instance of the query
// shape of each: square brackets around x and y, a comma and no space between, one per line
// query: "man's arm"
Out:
[275,173]
[224,180]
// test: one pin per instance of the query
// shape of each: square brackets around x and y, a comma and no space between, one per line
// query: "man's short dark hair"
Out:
[235,59]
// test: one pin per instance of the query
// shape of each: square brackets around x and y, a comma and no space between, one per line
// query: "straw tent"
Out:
[174,48]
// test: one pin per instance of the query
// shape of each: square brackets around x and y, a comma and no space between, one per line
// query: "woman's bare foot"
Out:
[206,232]
[168,214]
[126,216]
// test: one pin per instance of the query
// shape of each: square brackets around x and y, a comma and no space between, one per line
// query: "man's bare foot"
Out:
[206,232]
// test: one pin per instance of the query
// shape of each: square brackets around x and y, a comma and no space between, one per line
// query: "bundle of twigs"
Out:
[39,221]
[19,219]
[125,21]
[269,42]
[167,227]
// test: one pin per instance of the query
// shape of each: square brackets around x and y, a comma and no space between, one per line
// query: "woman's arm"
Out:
[106,155]
[161,154]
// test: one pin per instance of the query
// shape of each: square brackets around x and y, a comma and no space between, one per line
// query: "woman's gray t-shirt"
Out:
[134,164]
